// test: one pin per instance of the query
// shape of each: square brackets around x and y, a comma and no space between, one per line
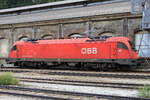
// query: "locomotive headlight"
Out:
[119,50]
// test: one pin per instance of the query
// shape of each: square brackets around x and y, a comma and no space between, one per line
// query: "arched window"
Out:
[23,38]
[106,34]
[47,37]
[76,35]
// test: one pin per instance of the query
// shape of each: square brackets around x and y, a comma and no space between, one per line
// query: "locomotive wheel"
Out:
[103,67]
[72,64]
[107,67]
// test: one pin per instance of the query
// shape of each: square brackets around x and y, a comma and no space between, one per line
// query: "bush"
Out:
[8,79]
[145,92]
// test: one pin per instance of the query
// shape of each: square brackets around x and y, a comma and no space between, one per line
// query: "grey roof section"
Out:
[90,10]
[41,6]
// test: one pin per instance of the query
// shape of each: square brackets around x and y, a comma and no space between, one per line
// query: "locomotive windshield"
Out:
[14,48]
[121,45]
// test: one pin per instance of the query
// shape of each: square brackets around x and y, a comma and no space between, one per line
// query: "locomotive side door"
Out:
[18,52]
[113,50]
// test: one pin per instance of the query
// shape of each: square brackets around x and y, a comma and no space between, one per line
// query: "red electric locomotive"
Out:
[100,51]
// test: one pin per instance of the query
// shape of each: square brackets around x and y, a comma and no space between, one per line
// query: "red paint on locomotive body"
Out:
[82,48]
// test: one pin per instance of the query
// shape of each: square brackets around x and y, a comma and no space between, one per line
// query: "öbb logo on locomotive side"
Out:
[89,50]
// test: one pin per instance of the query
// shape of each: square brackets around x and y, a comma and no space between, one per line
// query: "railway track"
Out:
[99,75]
[82,83]
[51,77]
[31,95]
[46,91]
[64,68]
[131,75]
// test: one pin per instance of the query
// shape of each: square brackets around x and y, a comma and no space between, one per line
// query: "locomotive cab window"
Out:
[14,48]
[121,45]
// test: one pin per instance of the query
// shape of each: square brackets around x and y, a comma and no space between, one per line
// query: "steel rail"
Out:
[99,75]
[84,83]
[82,74]
[73,93]
[31,95]
[91,85]
[89,82]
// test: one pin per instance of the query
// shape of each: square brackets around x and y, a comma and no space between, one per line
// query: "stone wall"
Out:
[126,25]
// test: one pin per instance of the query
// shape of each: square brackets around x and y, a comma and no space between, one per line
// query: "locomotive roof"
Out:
[78,40]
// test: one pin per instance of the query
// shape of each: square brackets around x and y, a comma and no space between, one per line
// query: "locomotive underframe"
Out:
[96,61]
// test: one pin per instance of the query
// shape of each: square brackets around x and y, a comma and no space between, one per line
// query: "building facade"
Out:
[96,18]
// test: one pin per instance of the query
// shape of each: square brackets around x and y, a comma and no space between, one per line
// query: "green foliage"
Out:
[8,79]
[144,92]
[18,3]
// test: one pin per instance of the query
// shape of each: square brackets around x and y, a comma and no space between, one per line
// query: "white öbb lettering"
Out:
[89,51]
